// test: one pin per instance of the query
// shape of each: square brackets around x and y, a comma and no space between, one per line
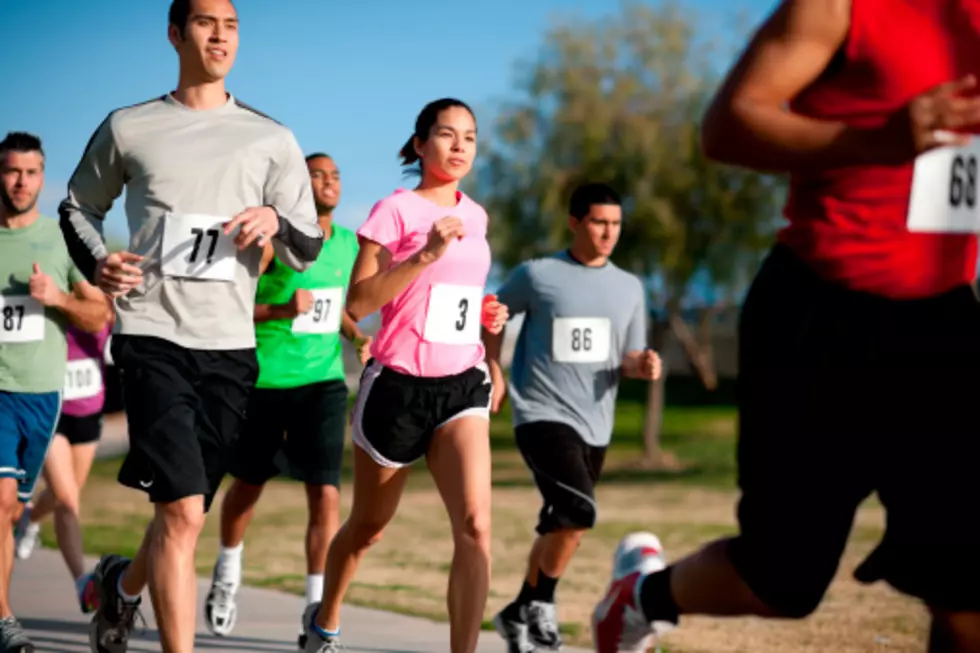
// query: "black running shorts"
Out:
[842,394]
[184,408]
[566,470]
[299,431]
[396,415]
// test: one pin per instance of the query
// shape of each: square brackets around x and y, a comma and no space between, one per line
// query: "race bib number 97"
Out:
[196,247]
[21,319]
[83,379]
[944,191]
[580,339]
[324,317]
[453,315]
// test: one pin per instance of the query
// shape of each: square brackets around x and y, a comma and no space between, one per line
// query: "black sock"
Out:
[545,589]
[656,599]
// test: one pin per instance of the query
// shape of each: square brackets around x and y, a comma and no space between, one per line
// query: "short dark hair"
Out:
[423,125]
[318,155]
[180,11]
[587,195]
[20,142]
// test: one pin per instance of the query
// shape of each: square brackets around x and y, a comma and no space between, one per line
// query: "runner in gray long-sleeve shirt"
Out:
[208,182]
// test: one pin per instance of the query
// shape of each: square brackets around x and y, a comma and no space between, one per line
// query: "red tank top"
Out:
[849,224]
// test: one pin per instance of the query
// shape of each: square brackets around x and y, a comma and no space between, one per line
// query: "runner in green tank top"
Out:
[298,408]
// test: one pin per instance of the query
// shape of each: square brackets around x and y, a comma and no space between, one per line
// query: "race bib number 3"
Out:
[83,379]
[196,247]
[324,317]
[944,191]
[580,339]
[21,319]
[453,316]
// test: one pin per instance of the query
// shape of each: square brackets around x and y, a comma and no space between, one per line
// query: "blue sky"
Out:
[347,77]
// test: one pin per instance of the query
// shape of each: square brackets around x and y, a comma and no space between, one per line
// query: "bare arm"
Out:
[375,281]
[86,307]
[748,123]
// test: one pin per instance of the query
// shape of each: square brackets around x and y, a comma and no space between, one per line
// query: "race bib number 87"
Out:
[196,247]
[21,319]
[580,339]
[944,191]
[453,315]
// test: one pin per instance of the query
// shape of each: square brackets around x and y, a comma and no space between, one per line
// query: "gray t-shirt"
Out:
[579,322]
[185,172]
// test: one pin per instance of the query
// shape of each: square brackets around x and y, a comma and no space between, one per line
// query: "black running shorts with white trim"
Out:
[299,431]
[396,415]
[842,394]
[566,470]
[185,408]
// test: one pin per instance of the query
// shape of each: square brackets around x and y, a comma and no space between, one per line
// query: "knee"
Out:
[181,520]
[474,530]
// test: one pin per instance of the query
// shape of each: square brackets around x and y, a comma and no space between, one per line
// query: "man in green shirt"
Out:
[41,290]
[299,405]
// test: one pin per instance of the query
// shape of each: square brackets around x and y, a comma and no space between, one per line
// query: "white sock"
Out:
[314,588]
[230,565]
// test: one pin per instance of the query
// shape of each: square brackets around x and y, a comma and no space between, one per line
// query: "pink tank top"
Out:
[84,392]
[432,328]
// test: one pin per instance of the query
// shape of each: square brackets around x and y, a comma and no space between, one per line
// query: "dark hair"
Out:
[317,155]
[587,195]
[20,142]
[423,125]
[180,11]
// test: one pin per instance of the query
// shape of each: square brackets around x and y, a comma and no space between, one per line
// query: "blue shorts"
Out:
[27,425]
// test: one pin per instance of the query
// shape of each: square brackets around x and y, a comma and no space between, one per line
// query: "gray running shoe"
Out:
[542,625]
[115,619]
[514,633]
[13,639]
[314,642]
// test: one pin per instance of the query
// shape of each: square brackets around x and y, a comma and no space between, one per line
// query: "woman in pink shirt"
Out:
[423,262]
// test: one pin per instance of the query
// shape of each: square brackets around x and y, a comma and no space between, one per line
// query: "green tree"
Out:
[620,100]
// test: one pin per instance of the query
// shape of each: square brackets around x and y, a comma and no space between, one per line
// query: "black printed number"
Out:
[13,318]
[963,181]
[79,379]
[464,306]
[199,235]
[321,308]
[582,339]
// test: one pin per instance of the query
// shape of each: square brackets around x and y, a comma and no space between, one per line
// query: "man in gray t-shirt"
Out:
[584,327]
[208,181]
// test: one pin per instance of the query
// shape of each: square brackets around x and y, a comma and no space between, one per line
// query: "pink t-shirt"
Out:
[432,328]
[84,392]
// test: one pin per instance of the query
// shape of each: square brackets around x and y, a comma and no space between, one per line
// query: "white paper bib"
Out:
[196,247]
[325,315]
[580,339]
[453,314]
[944,195]
[21,319]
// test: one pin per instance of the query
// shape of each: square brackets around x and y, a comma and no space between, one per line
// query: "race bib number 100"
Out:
[21,319]
[580,339]
[324,317]
[196,247]
[453,315]
[944,191]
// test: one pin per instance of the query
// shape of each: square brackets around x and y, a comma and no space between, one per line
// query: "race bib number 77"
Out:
[453,315]
[944,196]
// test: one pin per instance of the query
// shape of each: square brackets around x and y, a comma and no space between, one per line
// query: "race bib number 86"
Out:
[944,191]
[21,319]
[453,316]
[580,339]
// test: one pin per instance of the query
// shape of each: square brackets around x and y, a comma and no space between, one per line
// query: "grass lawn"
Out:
[407,570]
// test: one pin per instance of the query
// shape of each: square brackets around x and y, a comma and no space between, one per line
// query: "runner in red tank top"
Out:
[859,343]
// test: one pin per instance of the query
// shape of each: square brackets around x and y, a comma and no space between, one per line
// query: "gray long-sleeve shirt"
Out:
[185,172]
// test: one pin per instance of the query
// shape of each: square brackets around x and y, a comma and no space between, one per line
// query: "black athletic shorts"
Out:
[396,415]
[184,408]
[80,430]
[566,470]
[299,431]
[842,394]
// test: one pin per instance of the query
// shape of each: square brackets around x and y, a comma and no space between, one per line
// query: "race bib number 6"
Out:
[21,319]
[453,315]
[944,191]
[580,339]
[324,317]
[196,247]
